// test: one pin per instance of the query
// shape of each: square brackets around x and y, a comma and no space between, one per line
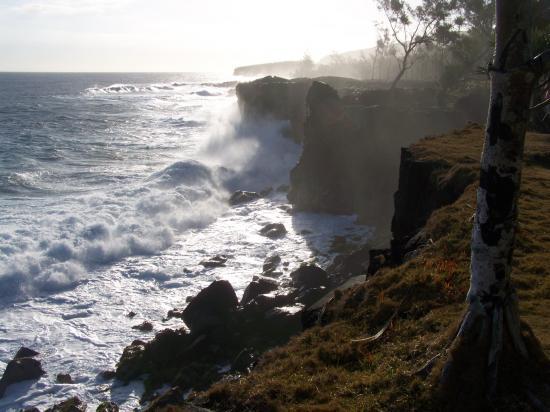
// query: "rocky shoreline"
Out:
[352,163]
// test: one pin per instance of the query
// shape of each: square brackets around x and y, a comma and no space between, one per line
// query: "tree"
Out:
[412,27]
[493,350]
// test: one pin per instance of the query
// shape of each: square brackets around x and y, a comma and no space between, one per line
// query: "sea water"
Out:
[113,189]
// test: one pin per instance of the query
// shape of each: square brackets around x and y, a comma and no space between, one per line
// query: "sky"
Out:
[177,35]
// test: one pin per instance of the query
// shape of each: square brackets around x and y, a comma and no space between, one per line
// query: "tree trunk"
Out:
[489,343]
[402,69]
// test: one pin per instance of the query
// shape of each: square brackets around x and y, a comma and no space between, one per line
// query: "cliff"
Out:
[376,343]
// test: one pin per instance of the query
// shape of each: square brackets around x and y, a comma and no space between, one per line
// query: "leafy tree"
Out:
[407,29]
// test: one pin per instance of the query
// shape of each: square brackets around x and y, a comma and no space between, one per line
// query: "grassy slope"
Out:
[324,370]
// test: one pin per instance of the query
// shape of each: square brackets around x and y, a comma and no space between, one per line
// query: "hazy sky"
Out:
[176,35]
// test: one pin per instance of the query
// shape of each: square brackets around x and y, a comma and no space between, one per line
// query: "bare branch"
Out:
[541,104]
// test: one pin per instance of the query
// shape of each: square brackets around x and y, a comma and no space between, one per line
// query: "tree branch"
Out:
[541,104]
[540,64]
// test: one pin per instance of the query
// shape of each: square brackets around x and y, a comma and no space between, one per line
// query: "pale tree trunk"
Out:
[489,339]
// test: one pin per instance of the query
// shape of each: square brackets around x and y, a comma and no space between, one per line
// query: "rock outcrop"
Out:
[351,149]
[276,98]
[425,184]
[23,367]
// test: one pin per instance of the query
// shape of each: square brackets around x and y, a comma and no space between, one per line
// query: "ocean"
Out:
[113,189]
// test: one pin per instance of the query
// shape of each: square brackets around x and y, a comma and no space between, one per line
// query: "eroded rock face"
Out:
[350,159]
[424,186]
[212,306]
[275,98]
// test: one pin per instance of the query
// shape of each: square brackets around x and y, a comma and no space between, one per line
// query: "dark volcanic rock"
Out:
[354,263]
[309,276]
[108,375]
[64,378]
[242,196]
[24,352]
[144,326]
[70,405]
[215,262]
[257,287]
[19,370]
[350,159]
[211,307]
[275,98]
[271,263]
[107,407]
[438,183]
[273,230]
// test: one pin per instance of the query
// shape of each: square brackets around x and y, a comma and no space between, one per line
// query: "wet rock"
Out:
[145,326]
[215,262]
[131,362]
[242,196]
[258,287]
[108,375]
[271,263]
[273,230]
[211,307]
[19,370]
[175,313]
[309,276]
[107,407]
[275,98]
[354,263]
[24,352]
[73,404]
[64,378]
[131,314]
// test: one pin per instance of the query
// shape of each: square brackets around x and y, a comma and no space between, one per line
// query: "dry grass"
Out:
[324,370]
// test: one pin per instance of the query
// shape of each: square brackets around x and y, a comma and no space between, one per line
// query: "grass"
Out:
[324,369]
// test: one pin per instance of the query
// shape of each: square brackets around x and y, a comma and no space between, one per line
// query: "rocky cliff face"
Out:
[277,98]
[425,185]
[352,139]
[350,160]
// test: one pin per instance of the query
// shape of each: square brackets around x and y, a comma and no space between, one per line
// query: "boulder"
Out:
[215,262]
[354,263]
[64,378]
[107,407]
[211,307]
[73,404]
[271,263]
[242,196]
[144,326]
[273,230]
[107,375]
[257,287]
[24,352]
[19,370]
[309,276]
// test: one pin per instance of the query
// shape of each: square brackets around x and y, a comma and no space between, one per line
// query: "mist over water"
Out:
[113,188]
